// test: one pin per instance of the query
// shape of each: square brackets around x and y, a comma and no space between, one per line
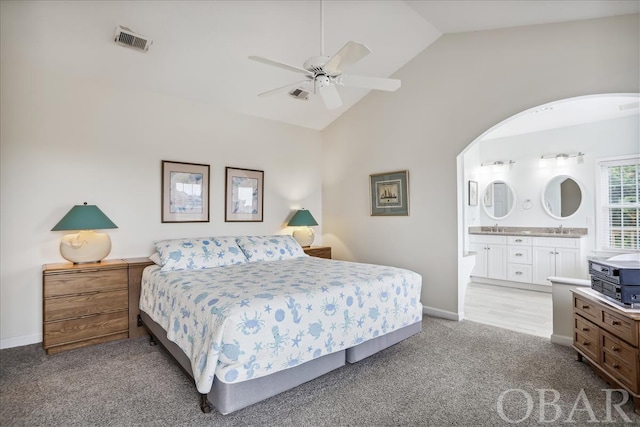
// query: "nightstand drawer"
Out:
[319,251]
[68,331]
[84,282]
[85,304]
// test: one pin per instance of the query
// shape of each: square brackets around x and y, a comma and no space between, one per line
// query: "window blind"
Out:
[618,212]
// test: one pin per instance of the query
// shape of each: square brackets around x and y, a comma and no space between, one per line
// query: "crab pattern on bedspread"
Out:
[241,322]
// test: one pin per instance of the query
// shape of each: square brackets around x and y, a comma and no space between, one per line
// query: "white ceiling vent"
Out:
[126,37]
[299,94]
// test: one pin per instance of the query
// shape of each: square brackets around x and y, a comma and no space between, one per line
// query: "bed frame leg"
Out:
[205,406]
[152,341]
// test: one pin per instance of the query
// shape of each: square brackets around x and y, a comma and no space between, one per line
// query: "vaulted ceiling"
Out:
[200,48]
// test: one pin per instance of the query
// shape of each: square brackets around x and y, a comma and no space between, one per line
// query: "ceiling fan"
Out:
[324,73]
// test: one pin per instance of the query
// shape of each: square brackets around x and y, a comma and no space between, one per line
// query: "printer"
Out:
[618,278]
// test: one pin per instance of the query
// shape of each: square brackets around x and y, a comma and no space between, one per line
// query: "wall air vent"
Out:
[126,37]
[298,93]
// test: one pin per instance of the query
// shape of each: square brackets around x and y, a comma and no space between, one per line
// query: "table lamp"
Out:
[304,235]
[86,245]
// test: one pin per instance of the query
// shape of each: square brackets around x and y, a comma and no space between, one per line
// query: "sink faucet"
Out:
[560,229]
[496,227]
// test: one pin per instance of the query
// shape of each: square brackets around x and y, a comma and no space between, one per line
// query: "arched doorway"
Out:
[510,153]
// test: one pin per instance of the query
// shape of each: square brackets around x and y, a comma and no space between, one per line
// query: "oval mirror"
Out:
[498,199]
[562,197]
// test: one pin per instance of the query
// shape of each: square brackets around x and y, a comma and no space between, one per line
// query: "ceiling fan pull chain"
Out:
[321,28]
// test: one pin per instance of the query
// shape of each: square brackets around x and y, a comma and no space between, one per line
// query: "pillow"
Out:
[270,248]
[155,257]
[199,253]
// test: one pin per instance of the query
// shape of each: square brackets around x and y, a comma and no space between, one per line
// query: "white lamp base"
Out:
[304,236]
[85,246]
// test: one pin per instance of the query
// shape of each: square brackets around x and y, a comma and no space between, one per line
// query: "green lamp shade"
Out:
[302,218]
[84,217]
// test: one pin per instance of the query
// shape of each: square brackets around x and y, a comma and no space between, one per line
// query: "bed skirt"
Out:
[227,398]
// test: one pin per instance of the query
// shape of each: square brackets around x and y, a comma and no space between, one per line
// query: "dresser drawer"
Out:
[587,309]
[585,328]
[519,254]
[587,345]
[84,282]
[519,273]
[619,359]
[620,326]
[85,304]
[68,331]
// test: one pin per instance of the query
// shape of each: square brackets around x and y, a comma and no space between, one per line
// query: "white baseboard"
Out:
[562,340]
[20,341]
[449,315]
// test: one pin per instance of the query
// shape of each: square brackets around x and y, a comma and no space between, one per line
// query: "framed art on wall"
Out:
[185,192]
[389,193]
[473,193]
[244,195]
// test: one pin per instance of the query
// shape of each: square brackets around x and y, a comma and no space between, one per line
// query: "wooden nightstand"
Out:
[84,304]
[318,251]
[136,265]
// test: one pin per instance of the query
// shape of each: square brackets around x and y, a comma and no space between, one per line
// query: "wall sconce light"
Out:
[498,165]
[303,219]
[86,245]
[562,158]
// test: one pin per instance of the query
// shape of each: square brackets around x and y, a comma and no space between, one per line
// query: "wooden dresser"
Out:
[318,251]
[608,338]
[84,304]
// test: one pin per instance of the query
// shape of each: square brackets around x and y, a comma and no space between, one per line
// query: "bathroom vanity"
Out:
[527,257]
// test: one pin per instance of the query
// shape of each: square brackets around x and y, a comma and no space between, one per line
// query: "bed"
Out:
[249,317]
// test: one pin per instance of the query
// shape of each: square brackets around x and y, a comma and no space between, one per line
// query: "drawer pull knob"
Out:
[614,348]
[616,366]
[615,322]
[518,254]
[518,240]
[585,307]
[585,329]
[586,343]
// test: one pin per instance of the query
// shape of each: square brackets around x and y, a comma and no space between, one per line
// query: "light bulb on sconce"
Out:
[498,165]
[561,159]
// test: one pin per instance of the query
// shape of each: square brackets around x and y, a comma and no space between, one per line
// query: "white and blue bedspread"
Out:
[245,321]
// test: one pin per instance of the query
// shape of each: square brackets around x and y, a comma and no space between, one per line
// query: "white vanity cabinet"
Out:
[491,256]
[525,261]
[519,259]
[558,256]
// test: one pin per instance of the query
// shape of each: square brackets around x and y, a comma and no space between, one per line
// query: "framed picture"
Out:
[473,193]
[185,192]
[389,193]
[244,195]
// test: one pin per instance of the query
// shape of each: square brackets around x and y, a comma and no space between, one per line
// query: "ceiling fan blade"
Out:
[330,96]
[281,65]
[377,83]
[283,88]
[351,53]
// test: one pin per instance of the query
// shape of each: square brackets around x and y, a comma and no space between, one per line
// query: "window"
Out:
[619,204]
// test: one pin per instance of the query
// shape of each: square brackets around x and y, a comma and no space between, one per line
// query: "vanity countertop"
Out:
[572,233]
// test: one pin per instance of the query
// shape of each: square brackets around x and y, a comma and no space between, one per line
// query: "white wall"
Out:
[65,141]
[528,178]
[451,93]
